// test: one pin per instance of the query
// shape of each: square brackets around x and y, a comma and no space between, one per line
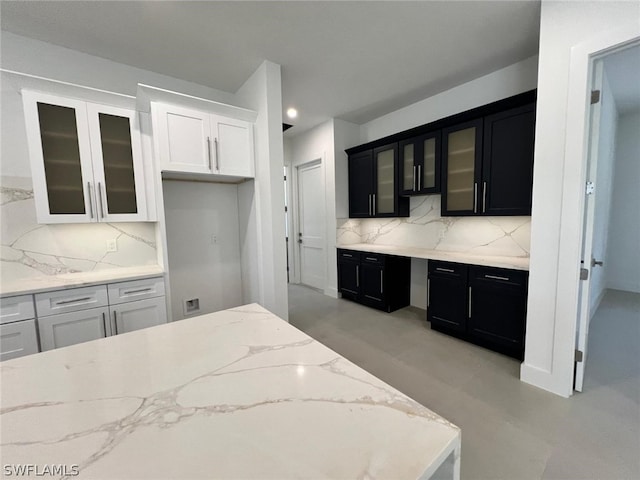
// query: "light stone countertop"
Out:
[233,394]
[46,283]
[516,263]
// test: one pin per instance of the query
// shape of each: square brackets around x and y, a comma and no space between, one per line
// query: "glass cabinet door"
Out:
[384,199]
[428,179]
[408,167]
[462,146]
[61,157]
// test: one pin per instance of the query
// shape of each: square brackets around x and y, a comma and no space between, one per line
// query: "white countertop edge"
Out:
[514,263]
[46,283]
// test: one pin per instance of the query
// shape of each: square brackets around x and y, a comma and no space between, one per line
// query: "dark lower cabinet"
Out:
[373,279]
[483,305]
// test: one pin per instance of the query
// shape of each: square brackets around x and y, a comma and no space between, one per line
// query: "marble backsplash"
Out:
[425,228]
[28,249]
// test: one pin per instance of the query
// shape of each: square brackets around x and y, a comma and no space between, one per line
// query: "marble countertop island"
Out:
[233,394]
[516,263]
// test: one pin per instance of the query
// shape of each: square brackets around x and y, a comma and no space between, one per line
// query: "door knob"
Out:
[594,262]
[299,240]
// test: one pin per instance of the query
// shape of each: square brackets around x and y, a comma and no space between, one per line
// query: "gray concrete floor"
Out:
[510,430]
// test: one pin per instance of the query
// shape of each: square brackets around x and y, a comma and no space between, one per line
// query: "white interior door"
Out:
[584,314]
[311,225]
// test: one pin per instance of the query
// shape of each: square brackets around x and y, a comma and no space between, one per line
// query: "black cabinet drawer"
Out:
[348,255]
[447,268]
[498,276]
[372,258]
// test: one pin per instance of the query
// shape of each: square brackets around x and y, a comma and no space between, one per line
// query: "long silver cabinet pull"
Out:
[209,152]
[428,292]
[215,140]
[374,204]
[469,302]
[347,255]
[372,259]
[497,277]
[475,197]
[90,199]
[357,275]
[484,197]
[115,321]
[140,290]
[100,198]
[448,270]
[66,302]
[419,177]
[381,281]
[414,178]
[104,323]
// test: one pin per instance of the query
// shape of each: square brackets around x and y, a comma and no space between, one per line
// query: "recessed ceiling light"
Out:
[292,113]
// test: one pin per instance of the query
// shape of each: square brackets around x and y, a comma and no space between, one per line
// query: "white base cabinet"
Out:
[67,329]
[131,316]
[18,339]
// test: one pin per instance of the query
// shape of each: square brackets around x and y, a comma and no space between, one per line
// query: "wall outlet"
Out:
[214,239]
[190,306]
[112,245]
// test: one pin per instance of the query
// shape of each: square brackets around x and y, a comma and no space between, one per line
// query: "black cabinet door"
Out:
[348,278]
[461,168]
[385,181]
[372,285]
[419,164]
[447,308]
[507,172]
[361,184]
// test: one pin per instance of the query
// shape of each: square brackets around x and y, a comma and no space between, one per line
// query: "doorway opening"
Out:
[609,301]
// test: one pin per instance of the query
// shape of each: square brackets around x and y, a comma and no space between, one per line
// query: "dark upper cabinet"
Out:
[419,164]
[507,171]
[461,168]
[373,184]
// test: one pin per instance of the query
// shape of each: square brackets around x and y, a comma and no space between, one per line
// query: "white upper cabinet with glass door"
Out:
[86,160]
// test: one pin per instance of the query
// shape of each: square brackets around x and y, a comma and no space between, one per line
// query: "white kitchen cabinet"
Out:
[66,329]
[18,339]
[131,316]
[86,161]
[193,141]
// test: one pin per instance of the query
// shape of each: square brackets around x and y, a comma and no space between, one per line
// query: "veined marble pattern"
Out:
[348,231]
[425,228]
[29,250]
[233,394]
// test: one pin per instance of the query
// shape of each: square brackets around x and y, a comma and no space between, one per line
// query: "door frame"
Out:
[294,203]
[573,203]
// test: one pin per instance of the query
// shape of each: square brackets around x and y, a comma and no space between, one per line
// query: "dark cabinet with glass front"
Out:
[373,184]
[420,164]
[86,161]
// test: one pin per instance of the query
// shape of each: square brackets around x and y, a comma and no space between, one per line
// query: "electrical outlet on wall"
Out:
[112,245]
[214,239]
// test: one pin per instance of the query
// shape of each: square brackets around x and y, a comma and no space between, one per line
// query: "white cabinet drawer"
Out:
[72,300]
[18,339]
[17,308]
[135,290]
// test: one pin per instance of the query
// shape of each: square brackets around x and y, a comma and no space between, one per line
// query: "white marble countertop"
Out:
[516,263]
[233,394]
[46,283]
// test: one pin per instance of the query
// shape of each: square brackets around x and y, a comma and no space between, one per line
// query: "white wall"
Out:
[604,180]
[623,272]
[558,188]
[267,259]
[200,268]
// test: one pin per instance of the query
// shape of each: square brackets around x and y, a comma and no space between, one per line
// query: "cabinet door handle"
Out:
[414,178]
[374,204]
[90,199]
[372,259]
[115,321]
[104,323]
[419,177]
[140,290]
[75,300]
[484,197]
[215,142]
[209,152]
[475,197]
[357,275]
[469,302]
[428,292]
[497,277]
[100,198]
[347,255]
[381,281]
[448,270]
